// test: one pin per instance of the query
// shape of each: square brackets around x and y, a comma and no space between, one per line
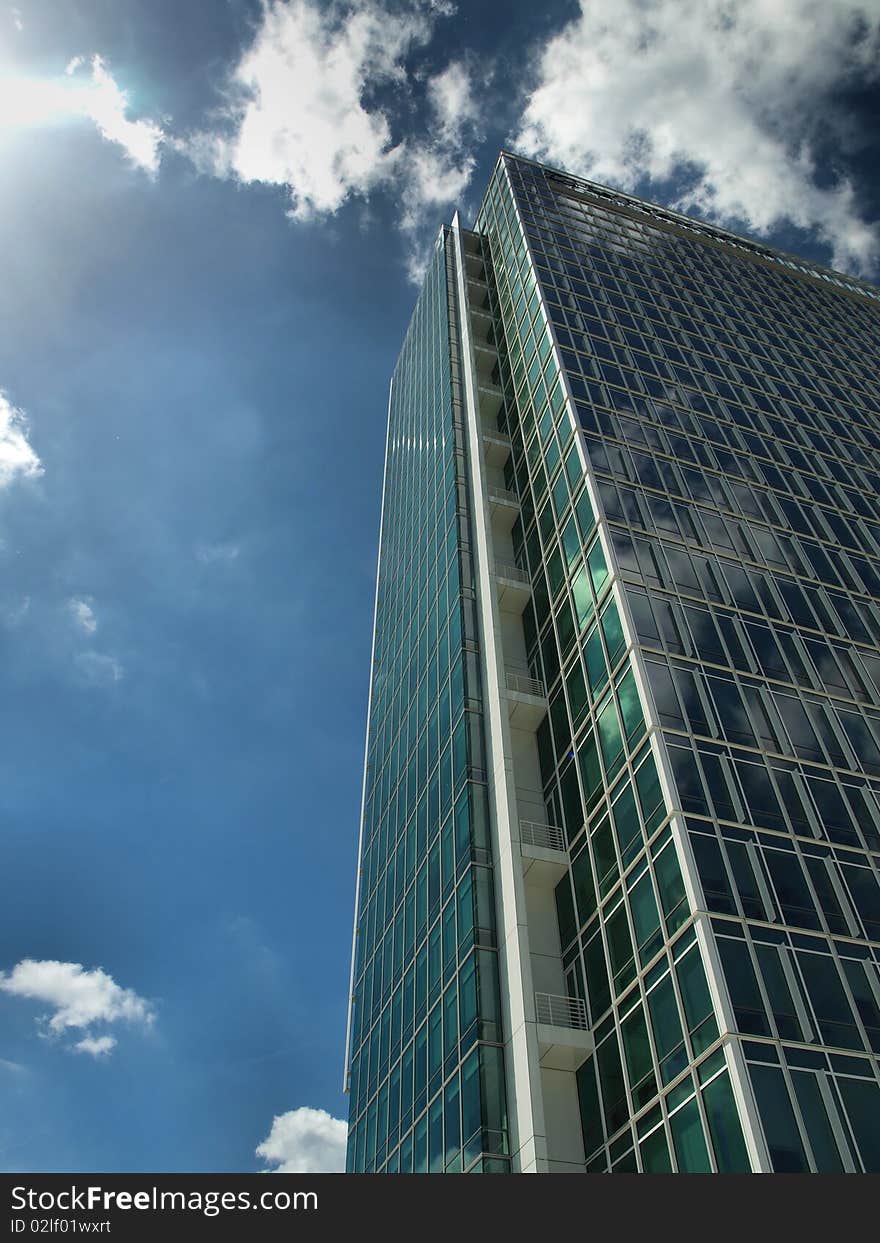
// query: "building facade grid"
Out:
[693,453]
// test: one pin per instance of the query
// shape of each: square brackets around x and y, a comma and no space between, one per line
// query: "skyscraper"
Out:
[619,899]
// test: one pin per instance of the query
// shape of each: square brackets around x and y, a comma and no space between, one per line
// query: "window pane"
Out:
[815,1116]
[688,1140]
[666,1027]
[612,1085]
[748,1007]
[783,1140]
[610,737]
[646,918]
[655,1153]
[724,1127]
[862,1101]
[588,1095]
[639,1063]
[630,708]
[626,826]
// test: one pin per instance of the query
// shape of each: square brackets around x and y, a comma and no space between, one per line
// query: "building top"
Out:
[665,217]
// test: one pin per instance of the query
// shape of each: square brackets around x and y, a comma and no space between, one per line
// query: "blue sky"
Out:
[212,217]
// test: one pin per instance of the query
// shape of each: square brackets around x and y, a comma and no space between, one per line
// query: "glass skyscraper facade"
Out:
[426,1068]
[619,897]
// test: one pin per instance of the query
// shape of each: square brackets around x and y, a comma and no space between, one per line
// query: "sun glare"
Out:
[25,102]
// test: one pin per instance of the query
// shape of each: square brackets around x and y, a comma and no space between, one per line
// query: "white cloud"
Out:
[79,999]
[83,615]
[16,19]
[451,94]
[93,667]
[439,170]
[209,553]
[730,95]
[106,104]
[17,458]
[99,668]
[305,1141]
[98,98]
[97,1046]
[437,177]
[302,112]
[297,101]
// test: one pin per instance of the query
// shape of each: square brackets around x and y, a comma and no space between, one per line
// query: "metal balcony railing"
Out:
[544,836]
[481,318]
[502,494]
[559,1011]
[505,569]
[524,685]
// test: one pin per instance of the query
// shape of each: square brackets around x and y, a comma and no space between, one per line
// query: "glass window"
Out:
[780,1129]
[565,911]
[775,981]
[819,1132]
[745,996]
[584,888]
[596,970]
[597,566]
[643,618]
[665,697]
[610,738]
[646,918]
[731,1156]
[639,1063]
[577,693]
[655,1153]
[827,895]
[630,708]
[605,857]
[626,825]
[743,867]
[696,999]
[588,1096]
[620,948]
[671,888]
[612,1085]
[792,891]
[613,632]
[865,890]
[594,658]
[591,773]
[862,1101]
[666,1027]
[583,600]
[471,1116]
[494,1103]
[453,1126]
[650,795]
[830,1006]
[435,1137]
[856,974]
[687,781]
[688,1140]
[572,807]
[713,874]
